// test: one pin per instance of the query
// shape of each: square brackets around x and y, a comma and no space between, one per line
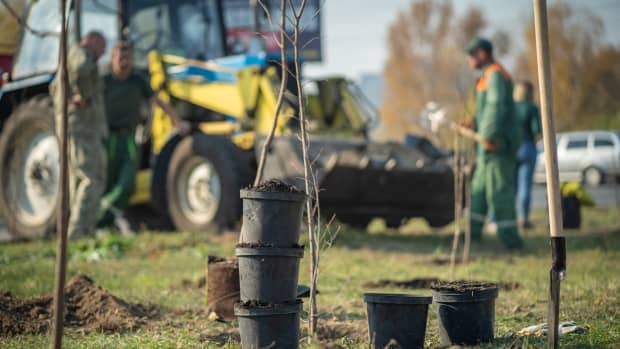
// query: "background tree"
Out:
[585,71]
[426,63]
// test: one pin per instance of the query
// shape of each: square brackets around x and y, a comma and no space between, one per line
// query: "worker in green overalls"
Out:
[124,94]
[493,183]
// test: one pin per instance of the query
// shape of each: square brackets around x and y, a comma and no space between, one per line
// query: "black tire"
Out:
[224,157]
[33,116]
[593,176]
[355,221]
[438,222]
[393,222]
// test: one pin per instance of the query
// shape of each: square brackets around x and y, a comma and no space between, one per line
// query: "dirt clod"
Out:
[89,308]
[275,185]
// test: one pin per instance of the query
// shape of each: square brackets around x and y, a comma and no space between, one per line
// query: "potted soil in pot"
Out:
[396,320]
[465,311]
[272,213]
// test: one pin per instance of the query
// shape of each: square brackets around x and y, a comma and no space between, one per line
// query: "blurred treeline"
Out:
[426,63]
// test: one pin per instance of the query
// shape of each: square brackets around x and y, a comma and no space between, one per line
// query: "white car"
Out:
[591,157]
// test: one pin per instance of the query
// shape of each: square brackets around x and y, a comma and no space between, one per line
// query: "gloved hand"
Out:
[468,122]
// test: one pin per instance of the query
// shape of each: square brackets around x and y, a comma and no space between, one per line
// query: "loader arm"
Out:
[246,96]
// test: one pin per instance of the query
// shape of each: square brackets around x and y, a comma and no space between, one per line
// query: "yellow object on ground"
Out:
[568,189]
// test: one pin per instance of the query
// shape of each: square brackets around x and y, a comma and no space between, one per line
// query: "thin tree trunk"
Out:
[310,186]
[62,212]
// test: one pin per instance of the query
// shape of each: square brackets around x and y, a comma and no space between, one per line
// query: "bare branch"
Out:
[283,83]
[268,13]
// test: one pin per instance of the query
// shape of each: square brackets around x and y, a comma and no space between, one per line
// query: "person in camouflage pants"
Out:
[493,183]
[87,130]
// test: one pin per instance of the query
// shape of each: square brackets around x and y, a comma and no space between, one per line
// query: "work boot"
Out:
[123,226]
[526,225]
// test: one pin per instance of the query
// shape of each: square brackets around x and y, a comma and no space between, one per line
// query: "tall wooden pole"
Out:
[558,242]
[62,212]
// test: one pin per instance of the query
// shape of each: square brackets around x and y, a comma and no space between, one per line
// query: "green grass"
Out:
[151,267]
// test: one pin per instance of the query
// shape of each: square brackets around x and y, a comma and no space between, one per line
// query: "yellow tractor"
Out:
[181,47]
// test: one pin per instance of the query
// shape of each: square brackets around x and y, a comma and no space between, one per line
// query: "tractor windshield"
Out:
[38,51]
[192,29]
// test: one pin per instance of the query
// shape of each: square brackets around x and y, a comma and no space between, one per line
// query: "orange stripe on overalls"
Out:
[483,82]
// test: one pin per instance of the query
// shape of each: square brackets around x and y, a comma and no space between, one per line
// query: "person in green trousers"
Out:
[124,93]
[493,183]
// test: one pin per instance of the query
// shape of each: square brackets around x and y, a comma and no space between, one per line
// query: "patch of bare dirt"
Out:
[353,331]
[89,308]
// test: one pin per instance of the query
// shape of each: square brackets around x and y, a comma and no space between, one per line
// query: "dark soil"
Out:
[89,308]
[425,283]
[275,186]
[259,304]
[463,286]
[263,245]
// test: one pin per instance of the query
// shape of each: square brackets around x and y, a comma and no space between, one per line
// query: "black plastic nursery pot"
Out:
[272,217]
[466,312]
[274,326]
[269,274]
[396,320]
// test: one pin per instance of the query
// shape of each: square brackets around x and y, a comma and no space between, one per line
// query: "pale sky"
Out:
[355,31]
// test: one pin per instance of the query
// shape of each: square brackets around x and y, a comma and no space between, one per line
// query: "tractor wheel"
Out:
[203,183]
[29,169]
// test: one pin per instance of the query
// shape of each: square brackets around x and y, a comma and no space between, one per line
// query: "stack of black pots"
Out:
[269,256]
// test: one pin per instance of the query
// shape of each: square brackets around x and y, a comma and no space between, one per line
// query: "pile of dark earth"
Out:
[89,308]
[274,185]
[425,283]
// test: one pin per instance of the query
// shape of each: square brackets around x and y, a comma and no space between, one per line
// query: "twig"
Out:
[468,179]
[283,83]
[457,204]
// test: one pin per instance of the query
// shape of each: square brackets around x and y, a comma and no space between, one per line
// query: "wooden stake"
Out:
[62,214]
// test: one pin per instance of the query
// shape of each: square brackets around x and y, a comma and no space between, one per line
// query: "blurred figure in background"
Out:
[87,131]
[492,187]
[529,123]
[124,92]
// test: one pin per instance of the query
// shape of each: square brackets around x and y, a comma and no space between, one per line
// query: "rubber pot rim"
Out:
[268,310]
[394,298]
[275,196]
[460,297]
[297,252]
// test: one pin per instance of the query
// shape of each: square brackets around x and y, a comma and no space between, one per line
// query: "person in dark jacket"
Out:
[528,117]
